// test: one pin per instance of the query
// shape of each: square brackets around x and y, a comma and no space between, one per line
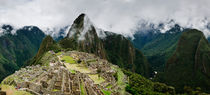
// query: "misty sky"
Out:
[119,16]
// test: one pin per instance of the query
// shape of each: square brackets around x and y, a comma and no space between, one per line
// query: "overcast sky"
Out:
[120,16]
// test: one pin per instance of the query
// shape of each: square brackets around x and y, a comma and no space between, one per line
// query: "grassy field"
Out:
[68,59]
[77,67]
[10,90]
[72,71]
[106,92]
[83,91]
[96,79]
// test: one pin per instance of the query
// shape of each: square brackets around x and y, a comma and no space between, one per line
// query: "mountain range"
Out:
[179,52]
[15,49]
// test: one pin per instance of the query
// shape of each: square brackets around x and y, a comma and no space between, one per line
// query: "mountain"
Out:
[156,46]
[47,44]
[15,49]
[84,36]
[189,65]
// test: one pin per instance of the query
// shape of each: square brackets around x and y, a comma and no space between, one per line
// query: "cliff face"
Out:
[83,36]
[190,62]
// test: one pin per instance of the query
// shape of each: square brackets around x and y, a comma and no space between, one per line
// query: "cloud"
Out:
[119,16]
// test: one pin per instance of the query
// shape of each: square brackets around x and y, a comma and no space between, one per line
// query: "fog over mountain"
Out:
[119,16]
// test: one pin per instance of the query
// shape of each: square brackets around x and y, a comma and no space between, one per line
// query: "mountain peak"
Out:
[80,27]
[80,18]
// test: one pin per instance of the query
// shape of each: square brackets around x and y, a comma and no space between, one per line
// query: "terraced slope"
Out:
[70,73]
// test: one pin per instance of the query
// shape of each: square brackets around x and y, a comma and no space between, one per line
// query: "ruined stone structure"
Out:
[56,79]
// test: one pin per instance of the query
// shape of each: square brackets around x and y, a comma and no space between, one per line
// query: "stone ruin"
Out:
[58,80]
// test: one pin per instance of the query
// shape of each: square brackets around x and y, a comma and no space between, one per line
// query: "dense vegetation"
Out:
[189,65]
[17,48]
[120,51]
[157,46]
[139,85]
[47,44]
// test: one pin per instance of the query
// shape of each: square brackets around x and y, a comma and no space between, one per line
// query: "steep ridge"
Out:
[83,36]
[17,48]
[47,44]
[189,63]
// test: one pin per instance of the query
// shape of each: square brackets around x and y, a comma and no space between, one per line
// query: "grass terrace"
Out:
[120,79]
[77,67]
[68,59]
[82,87]
[59,53]
[106,92]
[96,78]
[73,71]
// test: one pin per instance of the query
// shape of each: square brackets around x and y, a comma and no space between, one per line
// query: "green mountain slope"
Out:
[18,48]
[47,44]
[189,65]
[158,47]
[83,36]
[120,51]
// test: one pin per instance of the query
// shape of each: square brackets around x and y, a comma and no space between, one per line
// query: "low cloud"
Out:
[119,16]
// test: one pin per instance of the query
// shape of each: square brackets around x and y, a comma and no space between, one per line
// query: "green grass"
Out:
[82,88]
[54,90]
[120,76]
[47,58]
[109,86]
[77,67]
[68,59]
[59,53]
[73,71]
[120,79]
[106,92]
[96,79]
